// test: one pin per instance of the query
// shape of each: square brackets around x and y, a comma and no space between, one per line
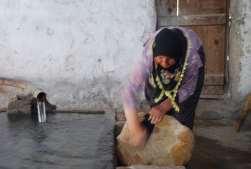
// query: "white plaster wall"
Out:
[78,51]
[245,71]
[240,49]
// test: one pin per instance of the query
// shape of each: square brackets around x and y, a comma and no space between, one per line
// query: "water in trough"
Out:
[65,141]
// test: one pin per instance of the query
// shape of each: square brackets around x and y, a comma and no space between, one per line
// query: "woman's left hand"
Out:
[156,115]
[158,112]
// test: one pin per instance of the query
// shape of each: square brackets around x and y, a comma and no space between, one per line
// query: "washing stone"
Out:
[170,144]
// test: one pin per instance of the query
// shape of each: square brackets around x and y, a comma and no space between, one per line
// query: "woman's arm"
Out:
[135,87]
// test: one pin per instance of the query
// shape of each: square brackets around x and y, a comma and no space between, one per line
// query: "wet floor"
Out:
[219,146]
[209,154]
[66,141]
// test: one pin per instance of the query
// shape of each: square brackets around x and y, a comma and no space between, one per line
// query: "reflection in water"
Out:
[66,141]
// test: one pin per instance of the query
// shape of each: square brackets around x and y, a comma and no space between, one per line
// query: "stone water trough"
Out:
[169,147]
[67,140]
[85,139]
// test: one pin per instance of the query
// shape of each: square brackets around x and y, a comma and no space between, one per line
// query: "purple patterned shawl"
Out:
[143,68]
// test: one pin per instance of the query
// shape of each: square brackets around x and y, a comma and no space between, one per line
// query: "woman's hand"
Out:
[158,112]
[156,115]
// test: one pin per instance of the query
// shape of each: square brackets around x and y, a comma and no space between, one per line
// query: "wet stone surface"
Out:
[212,155]
[219,146]
[66,141]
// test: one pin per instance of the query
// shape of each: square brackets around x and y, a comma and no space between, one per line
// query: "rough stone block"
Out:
[170,144]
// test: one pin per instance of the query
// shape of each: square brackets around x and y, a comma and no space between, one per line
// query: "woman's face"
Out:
[164,61]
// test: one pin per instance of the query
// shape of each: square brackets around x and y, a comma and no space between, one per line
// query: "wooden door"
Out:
[208,18]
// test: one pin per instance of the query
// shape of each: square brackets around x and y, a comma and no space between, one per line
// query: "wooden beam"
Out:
[212,90]
[214,79]
[187,20]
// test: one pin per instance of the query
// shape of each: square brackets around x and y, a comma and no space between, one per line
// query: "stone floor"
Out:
[219,146]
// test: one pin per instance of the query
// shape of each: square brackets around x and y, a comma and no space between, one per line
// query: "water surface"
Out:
[66,141]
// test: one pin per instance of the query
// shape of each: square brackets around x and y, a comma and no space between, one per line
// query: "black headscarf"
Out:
[172,43]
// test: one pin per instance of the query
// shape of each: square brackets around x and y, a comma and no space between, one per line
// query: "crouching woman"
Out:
[170,73]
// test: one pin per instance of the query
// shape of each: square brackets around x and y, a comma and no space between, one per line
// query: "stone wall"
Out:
[79,52]
[240,48]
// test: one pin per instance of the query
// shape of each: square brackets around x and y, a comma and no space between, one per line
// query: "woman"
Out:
[171,73]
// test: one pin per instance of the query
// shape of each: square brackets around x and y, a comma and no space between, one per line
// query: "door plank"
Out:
[166,7]
[213,39]
[190,7]
[212,19]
